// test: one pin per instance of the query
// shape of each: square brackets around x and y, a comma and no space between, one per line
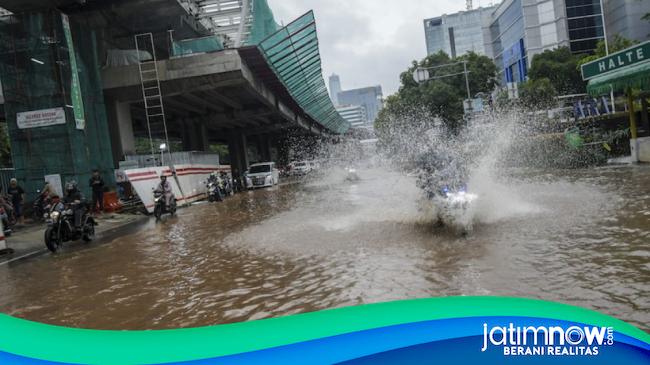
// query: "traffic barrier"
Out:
[3,242]
[111,202]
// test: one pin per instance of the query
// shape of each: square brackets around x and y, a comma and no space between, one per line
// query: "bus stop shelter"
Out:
[626,71]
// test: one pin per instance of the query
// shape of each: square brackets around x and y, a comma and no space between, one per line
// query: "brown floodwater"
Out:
[577,237]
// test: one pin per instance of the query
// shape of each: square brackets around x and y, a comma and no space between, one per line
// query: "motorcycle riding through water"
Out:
[68,220]
[444,183]
[163,199]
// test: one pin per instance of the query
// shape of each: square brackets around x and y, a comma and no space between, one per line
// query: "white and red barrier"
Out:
[3,242]
[188,186]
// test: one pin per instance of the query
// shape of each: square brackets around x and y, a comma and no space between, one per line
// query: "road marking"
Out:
[24,256]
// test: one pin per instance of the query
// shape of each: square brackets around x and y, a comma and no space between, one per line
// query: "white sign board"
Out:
[40,118]
[55,183]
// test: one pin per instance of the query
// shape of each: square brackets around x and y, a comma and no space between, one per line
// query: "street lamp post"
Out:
[163,147]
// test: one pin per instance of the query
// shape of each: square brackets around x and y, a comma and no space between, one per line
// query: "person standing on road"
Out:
[17,195]
[96,183]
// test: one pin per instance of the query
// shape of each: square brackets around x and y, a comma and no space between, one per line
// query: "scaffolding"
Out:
[36,74]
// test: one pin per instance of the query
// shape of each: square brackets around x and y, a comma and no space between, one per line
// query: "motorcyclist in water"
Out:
[75,200]
[166,188]
[440,173]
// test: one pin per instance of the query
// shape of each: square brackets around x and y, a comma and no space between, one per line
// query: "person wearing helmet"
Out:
[166,188]
[75,200]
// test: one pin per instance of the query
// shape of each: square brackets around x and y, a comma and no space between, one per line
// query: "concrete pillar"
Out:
[238,151]
[121,129]
[202,137]
[195,136]
[264,148]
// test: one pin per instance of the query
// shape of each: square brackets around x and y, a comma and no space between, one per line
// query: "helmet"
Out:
[71,185]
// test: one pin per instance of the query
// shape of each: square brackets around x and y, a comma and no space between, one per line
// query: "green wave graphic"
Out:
[53,343]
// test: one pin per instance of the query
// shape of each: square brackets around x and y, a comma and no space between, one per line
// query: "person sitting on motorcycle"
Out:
[75,200]
[166,188]
[7,207]
[213,178]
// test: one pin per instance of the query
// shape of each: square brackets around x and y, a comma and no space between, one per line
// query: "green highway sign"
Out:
[616,61]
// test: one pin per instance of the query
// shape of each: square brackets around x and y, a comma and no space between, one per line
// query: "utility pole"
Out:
[602,17]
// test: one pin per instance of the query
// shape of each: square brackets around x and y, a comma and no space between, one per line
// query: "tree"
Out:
[538,93]
[443,95]
[416,107]
[617,44]
[560,67]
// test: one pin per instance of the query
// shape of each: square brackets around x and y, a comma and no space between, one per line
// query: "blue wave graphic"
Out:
[446,341]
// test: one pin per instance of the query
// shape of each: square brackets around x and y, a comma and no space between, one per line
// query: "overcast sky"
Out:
[368,42]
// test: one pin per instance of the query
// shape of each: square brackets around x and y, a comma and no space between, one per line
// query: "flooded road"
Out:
[578,237]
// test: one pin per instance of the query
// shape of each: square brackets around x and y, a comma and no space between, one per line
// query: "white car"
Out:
[302,168]
[262,175]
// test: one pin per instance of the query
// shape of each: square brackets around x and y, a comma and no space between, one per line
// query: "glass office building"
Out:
[623,17]
[458,33]
[507,33]
[585,24]
[355,115]
[371,98]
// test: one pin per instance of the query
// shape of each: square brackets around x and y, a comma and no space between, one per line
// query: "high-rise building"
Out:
[458,33]
[354,114]
[516,30]
[370,98]
[623,17]
[335,88]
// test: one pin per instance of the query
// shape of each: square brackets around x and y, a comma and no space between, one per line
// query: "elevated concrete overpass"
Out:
[259,82]
[226,96]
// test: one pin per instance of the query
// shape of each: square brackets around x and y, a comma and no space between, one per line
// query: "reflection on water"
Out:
[578,237]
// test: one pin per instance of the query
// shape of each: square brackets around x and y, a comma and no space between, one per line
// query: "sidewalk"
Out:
[28,241]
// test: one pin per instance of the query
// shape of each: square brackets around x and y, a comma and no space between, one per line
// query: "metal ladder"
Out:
[151,93]
[152,96]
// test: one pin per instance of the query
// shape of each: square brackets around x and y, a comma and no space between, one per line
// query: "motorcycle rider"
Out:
[213,178]
[75,200]
[166,188]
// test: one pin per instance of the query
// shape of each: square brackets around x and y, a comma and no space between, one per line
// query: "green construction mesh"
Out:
[197,45]
[36,74]
[263,23]
[294,56]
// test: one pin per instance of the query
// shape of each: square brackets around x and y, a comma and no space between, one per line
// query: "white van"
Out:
[262,175]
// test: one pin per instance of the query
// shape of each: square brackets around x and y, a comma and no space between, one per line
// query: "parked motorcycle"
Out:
[214,192]
[160,207]
[6,223]
[225,185]
[60,226]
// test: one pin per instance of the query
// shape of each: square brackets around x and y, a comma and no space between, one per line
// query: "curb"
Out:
[109,234]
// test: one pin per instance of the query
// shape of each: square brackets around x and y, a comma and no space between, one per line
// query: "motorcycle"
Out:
[6,223]
[225,186]
[160,207]
[214,192]
[455,206]
[41,205]
[351,174]
[60,226]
